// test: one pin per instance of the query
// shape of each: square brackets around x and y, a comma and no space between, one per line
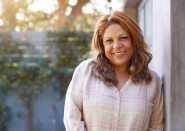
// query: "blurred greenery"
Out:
[4,113]
[27,77]
[17,15]
[23,74]
[70,49]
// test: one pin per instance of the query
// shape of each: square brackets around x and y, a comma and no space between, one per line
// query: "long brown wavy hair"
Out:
[140,56]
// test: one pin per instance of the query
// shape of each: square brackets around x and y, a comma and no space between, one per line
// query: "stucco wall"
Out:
[169,58]
[132,11]
[178,65]
[162,50]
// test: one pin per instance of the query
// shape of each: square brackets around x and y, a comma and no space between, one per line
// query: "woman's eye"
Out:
[108,41]
[124,37]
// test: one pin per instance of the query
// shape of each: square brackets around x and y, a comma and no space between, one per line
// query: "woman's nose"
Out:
[116,44]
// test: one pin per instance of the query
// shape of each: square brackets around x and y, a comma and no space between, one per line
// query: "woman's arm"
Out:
[73,116]
[156,121]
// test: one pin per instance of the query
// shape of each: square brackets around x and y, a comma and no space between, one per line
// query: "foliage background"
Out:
[26,72]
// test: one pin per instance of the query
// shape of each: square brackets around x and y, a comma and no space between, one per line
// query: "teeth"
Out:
[119,53]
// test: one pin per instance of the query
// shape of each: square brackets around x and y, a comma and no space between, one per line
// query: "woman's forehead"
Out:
[114,29]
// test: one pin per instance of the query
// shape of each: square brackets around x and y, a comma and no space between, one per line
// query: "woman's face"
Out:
[117,44]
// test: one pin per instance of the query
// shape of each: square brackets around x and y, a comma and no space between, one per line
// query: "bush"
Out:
[3,116]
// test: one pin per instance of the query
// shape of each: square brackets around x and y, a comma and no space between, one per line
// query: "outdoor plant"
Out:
[3,116]
[70,49]
[25,77]
[28,77]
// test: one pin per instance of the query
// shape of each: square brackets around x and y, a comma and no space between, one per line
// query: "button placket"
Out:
[117,108]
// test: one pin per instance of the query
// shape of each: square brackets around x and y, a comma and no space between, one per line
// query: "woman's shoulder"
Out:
[156,79]
[155,75]
[86,64]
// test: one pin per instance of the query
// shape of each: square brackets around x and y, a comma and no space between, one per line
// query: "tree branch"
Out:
[77,9]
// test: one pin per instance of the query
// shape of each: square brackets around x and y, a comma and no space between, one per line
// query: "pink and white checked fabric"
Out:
[91,106]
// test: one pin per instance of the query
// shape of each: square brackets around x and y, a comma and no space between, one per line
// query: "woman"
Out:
[116,90]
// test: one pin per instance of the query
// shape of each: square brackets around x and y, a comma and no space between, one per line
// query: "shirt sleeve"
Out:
[73,116]
[156,121]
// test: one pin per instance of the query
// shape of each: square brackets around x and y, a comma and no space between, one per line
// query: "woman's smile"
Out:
[119,53]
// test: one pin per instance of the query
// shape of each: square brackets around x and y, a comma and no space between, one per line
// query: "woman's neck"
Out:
[122,75]
[121,70]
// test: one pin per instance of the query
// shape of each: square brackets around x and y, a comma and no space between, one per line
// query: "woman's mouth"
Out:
[121,53]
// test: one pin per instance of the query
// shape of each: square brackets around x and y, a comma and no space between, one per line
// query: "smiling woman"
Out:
[115,90]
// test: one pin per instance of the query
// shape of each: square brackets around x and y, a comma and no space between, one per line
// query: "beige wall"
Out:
[132,11]
[162,50]
[169,59]
[177,113]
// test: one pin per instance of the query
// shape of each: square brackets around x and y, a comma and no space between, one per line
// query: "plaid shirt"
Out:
[91,106]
